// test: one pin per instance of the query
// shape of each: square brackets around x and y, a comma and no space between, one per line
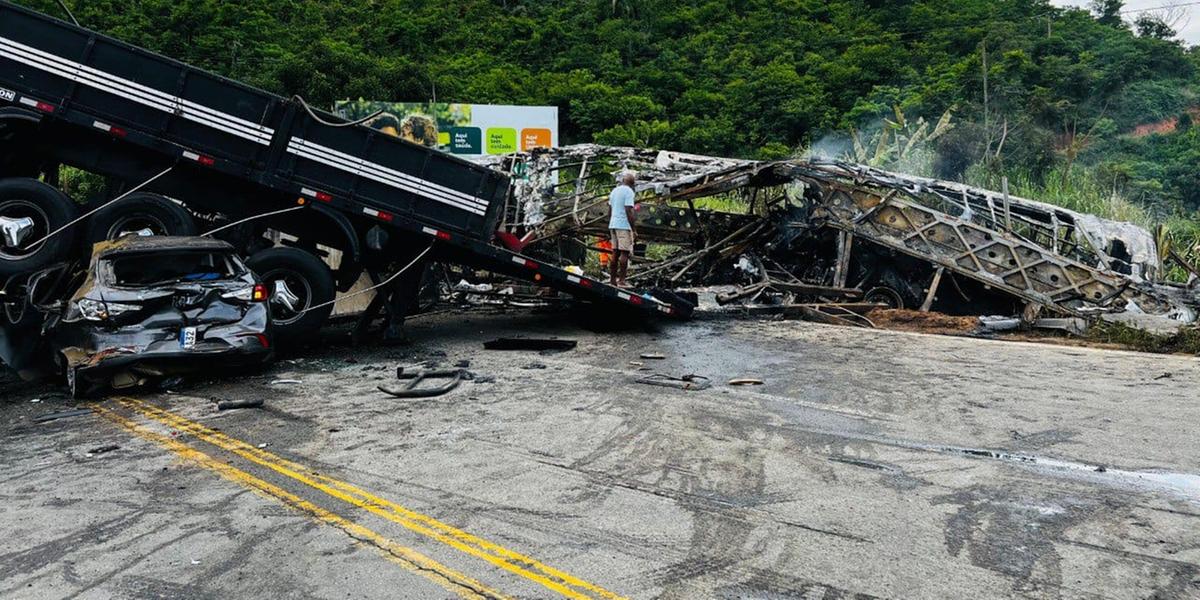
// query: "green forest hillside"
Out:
[1045,96]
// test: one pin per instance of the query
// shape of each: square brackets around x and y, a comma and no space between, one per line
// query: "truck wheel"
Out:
[139,212]
[295,280]
[30,209]
[894,290]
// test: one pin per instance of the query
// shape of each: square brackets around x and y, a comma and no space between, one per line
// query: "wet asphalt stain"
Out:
[1017,534]
[770,585]
[1012,534]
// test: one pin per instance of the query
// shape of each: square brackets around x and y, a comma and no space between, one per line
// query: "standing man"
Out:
[620,225]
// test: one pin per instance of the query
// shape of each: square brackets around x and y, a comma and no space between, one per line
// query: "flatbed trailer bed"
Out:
[70,96]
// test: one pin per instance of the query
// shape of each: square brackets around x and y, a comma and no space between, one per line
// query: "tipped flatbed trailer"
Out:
[180,137]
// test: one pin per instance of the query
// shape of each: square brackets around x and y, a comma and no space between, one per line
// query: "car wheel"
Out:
[139,213]
[30,210]
[296,281]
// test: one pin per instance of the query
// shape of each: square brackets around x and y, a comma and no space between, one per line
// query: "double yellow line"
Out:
[513,562]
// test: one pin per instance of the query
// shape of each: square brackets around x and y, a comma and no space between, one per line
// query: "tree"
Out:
[1108,12]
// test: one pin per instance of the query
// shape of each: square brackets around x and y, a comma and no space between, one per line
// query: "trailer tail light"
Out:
[259,294]
[45,107]
[635,299]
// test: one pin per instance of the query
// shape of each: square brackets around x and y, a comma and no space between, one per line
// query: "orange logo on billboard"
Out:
[534,138]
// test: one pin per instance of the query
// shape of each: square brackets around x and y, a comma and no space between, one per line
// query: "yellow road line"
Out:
[408,558]
[529,568]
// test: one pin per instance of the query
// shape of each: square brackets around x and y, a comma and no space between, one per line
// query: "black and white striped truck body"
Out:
[70,96]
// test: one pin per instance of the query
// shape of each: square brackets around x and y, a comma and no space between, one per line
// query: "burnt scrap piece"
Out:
[412,388]
[232,404]
[535,344]
[685,382]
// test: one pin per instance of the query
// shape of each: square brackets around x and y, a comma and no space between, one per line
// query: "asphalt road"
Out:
[869,464]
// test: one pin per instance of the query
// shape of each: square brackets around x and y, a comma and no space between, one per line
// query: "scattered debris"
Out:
[534,365]
[652,356]
[684,382]
[61,415]
[809,234]
[636,363]
[412,388]
[745,381]
[262,445]
[1163,376]
[285,382]
[235,404]
[535,344]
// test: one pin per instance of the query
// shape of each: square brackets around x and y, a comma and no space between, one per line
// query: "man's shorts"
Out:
[622,240]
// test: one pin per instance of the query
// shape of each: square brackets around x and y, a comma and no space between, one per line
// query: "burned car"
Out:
[147,308]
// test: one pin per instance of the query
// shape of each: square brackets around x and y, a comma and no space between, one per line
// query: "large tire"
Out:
[138,211]
[307,278]
[46,209]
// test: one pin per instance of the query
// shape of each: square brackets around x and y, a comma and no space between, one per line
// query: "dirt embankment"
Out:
[922,322]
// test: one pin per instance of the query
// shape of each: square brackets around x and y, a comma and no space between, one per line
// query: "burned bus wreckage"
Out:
[825,233]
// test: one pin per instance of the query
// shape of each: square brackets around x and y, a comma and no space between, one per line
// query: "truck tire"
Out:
[306,281]
[136,212]
[33,209]
[894,290]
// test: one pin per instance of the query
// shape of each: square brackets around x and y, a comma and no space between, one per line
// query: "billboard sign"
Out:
[465,129]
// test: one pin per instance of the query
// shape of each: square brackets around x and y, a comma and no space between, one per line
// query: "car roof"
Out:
[135,244]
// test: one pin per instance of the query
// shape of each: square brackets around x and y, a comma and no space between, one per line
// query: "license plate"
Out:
[187,337]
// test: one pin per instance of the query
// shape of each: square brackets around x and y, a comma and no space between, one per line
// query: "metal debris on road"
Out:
[285,382]
[233,404]
[536,344]
[412,388]
[652,356]
[102,450]
[684,382]
[745,381]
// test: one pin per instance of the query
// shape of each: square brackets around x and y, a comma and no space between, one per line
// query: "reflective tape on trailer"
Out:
[207,161]
[386,175]
[109,129]
[441,235]
[314,194]
[133,91]
[378,214]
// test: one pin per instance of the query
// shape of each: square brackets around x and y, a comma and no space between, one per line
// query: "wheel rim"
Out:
[295,285]
[20,212]
[886,296]
[136,224]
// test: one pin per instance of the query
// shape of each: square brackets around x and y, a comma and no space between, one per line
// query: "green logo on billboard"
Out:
[501,140]
[466,140]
